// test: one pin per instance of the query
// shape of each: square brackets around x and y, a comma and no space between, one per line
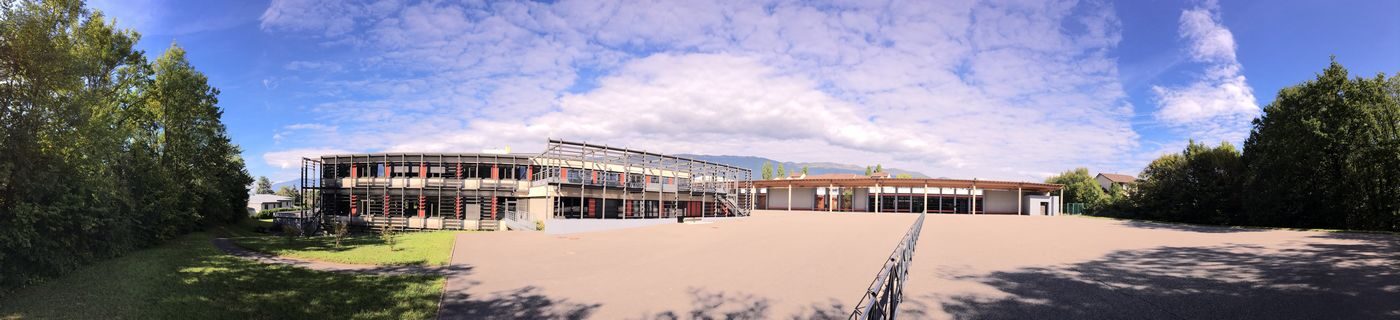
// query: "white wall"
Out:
[1103,182]
[862,199]
[802,198]
[1032,205]
[998,201]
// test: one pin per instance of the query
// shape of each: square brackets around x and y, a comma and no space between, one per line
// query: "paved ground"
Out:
[815,265]
[1020,267]
[771,265]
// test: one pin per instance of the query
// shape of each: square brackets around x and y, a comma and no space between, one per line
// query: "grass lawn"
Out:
[190,279]
[411,248]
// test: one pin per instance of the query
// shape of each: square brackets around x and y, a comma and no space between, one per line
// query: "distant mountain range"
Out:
[294,184]
[813,168]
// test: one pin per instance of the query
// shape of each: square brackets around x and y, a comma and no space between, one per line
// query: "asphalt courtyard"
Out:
[815,265]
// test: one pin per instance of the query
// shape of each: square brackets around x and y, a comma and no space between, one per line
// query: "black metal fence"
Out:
[881,299]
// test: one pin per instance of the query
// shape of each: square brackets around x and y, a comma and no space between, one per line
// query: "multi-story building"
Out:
[568,181]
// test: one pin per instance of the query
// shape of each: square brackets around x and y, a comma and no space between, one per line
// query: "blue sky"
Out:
[996,90]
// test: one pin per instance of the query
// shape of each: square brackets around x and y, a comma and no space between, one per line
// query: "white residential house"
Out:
[1107,180]
[260,202]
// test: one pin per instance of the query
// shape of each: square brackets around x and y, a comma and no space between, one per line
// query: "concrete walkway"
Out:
[234,250]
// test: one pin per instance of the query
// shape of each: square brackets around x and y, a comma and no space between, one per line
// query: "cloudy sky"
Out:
[996,90]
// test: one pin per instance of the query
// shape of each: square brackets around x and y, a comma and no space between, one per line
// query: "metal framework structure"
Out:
[386,196]
[309,196]
[881,300]
[717,186]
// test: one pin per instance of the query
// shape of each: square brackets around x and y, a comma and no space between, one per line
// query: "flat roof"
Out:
[641,152]
[907,182]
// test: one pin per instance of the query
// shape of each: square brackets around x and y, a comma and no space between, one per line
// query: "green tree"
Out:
[867,171]
[904,176]
[1326,154]
[879,168]
[101,152]
[804,170]
[264,186]
[1080,187]
[767,170]
[287,191]
[781,172]
[1199,185]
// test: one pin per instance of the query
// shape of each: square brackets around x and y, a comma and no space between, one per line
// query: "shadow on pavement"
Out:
[1188,227]
[739,306]
[1359,279]
[523,303]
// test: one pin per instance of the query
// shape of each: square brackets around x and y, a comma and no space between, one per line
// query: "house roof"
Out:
[266,198]
[835,176]
[1120,178]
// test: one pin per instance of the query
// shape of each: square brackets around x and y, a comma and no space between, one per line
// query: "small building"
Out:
[1107,180]
[263,202]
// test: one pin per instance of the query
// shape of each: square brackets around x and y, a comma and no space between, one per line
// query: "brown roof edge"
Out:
[1119,177]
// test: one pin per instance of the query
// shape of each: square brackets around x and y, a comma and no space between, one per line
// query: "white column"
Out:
[972,202]
[925,198]
[1062,202]
[878,189]
[789,196]
[1018,200]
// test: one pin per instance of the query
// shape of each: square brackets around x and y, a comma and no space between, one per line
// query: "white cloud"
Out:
[959,89]
[1219,104]
[291,159]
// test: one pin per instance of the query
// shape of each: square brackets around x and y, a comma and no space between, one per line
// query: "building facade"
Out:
[569,180]
[263,202]
[856,193]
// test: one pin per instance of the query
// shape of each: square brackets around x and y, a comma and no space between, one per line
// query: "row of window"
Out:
[428,170]
[489,171]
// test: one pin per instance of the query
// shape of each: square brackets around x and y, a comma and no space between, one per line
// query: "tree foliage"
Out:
[767,170]
[781,172]
[101,151]
[264,186]
[1324,154]
[1080,187]
[1199,185]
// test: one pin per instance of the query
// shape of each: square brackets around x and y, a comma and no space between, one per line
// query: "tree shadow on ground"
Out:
[523,303]
[220,286]
[707,304]
[1357,279]
[1144,224]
